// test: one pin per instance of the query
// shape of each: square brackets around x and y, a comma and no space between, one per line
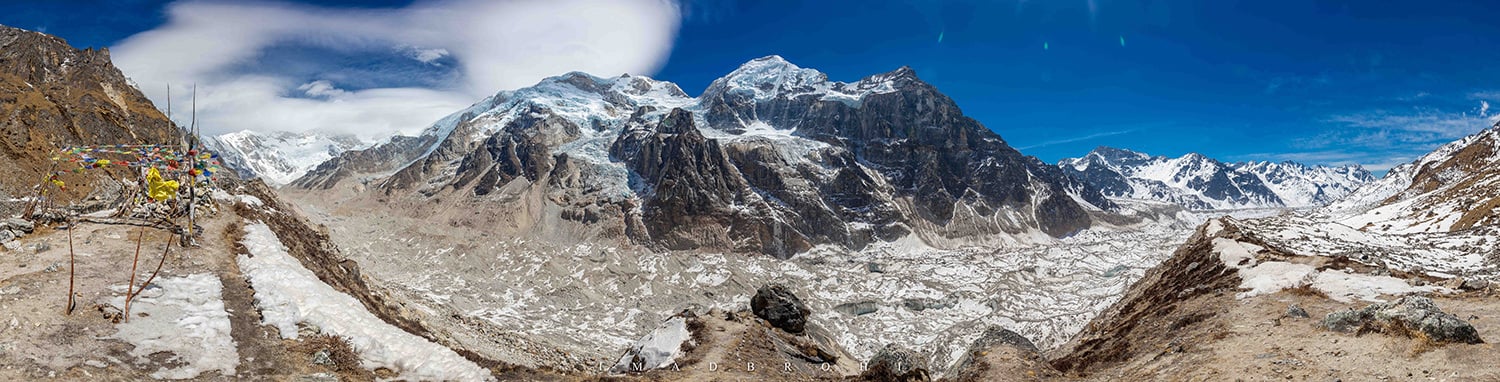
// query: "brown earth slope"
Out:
[53,95]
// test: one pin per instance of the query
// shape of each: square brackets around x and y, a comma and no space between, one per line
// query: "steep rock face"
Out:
[1455,187]
[771,158]
[927,150]
[692,190]
[1198,182]
[52,95]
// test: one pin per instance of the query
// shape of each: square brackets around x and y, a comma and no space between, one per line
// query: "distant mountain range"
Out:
[280,157]
[1198,182]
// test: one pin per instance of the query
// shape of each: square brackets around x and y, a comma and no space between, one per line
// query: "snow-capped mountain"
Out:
[1198,182]
[1452,188]
[771,158]
[1300,185]
[279,157]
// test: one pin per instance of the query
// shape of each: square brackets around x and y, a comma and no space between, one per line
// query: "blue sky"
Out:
[1375,83]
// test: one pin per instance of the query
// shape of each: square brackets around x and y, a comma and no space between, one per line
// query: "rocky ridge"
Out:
[1198,182]
[771,158]
[53,95]
[1453,188]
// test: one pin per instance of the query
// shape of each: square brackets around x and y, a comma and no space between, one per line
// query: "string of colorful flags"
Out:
[155,159]
[165,157]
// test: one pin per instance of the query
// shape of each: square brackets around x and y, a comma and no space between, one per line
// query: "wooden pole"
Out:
[164,253]
[72,268]
[192,178]
[130,288]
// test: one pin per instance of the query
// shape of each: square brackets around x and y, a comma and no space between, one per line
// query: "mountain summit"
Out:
[771,158]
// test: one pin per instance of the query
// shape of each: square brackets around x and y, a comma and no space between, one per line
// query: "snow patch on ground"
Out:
[184,316]
[1273,276]
[250,200]
[288,294]
[658,349]
[1346,287]
[1234,253]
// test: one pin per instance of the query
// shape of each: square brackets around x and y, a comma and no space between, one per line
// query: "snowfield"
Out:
[184,316]
[288,294]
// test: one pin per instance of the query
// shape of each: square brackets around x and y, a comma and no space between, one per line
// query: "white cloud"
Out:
[428,55]
[496,45]
[322,88]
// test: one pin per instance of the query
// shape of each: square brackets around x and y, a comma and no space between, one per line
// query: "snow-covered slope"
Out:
[771,157]
[1300,185]
[1201,183]
[279,157]
[1452,188]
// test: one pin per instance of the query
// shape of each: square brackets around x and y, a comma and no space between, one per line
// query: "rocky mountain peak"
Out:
[900,78]
[767,77]
[773,158]
[677,121]
[1116,155]
[54,94]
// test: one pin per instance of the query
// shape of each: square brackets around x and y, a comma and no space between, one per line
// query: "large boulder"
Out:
[996,335]
[1410,316]
[896,363]
[777,305]
[1001,355]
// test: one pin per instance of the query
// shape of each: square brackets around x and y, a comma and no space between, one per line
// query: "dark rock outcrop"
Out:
[896,363]
[994,336]
[777,305]
[1296,311]
[1412,316]
[1001,354]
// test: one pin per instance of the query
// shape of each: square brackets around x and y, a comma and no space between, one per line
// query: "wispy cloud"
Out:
[1077,139]
[1485,95]
[1382,138]
[490,46]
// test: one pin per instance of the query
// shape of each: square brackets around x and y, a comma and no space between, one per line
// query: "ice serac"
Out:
[53,95]
[1455,187]
[1198,182]
[771,158]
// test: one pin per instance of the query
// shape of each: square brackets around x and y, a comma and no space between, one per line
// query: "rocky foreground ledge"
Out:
[1214,311]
